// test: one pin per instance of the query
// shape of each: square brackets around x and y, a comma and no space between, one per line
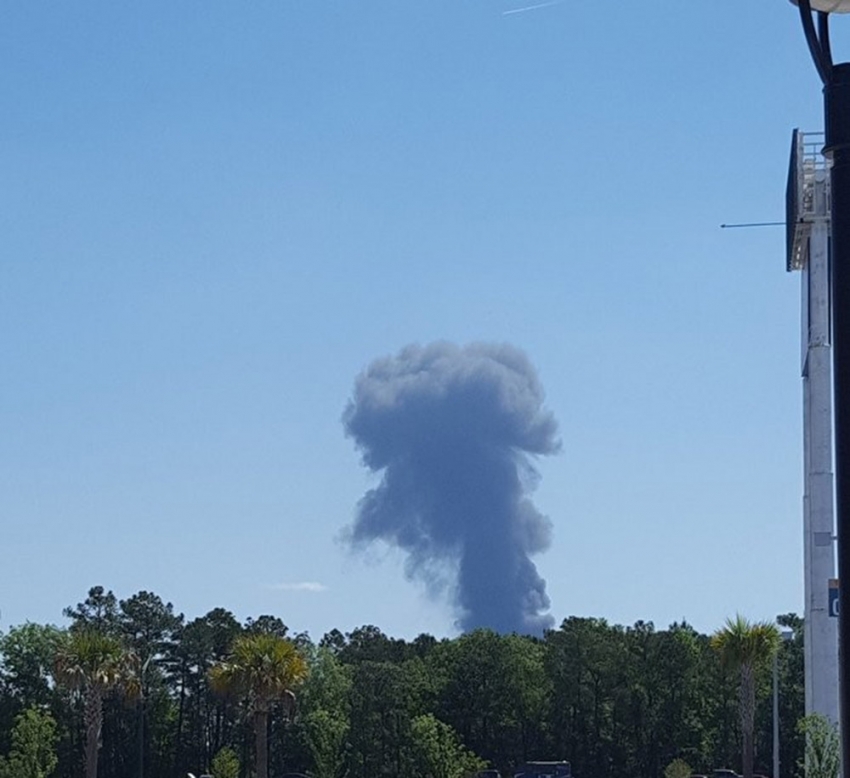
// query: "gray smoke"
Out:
[452,429]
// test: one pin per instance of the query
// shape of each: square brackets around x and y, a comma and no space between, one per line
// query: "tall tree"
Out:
[493,691]
[745,647]
[202,726]
[587,663]
[33,753]
[792,691]
[93,664]
[262,668]
[26,661]
[436,750]
[381,712]
[271,625]
[148,625]
[99,611]
[325,703]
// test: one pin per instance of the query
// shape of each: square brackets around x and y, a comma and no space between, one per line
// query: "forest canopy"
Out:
[624,701]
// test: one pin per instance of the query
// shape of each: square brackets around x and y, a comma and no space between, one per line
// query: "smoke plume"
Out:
[452,430]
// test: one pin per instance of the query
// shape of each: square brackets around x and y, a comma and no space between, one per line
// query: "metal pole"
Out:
[776,715]
[836,79]
[837,110]
[821,629]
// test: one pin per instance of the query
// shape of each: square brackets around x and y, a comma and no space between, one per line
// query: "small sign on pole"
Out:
[833,597]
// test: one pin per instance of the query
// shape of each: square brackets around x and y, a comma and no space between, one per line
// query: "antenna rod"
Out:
[752,224]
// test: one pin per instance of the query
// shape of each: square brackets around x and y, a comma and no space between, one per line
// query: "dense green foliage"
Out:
[225,764]
[177,695]
[823,747]
[33,747]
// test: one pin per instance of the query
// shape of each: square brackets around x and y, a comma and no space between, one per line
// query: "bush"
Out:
[823,747]
[678,768]
[225,764]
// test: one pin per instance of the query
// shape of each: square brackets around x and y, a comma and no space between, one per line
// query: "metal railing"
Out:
[807,202]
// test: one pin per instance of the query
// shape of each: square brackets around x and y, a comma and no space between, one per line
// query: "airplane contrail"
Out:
[532,7]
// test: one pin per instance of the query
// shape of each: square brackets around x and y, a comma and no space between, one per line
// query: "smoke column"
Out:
[452,430]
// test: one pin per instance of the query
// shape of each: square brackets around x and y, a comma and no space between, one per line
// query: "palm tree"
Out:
[94,663]
[263,668]
[746,646]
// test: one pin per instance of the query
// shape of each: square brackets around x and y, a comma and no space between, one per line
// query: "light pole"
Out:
[776,715]
[836,80]
[786,636]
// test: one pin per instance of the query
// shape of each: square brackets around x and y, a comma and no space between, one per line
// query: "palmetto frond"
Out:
[745,646]
[93,663]
[742,643]
[262,667]
[90,659]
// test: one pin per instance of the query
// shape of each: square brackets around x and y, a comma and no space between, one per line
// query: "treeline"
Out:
[618,702]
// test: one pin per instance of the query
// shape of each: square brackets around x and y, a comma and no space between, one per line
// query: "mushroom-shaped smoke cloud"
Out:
[453,428]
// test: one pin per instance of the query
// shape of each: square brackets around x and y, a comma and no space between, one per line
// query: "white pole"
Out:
[776,715]
[810,253]
[786,636]
[822,629]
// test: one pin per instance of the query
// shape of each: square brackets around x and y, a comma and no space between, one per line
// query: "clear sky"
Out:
[214,215]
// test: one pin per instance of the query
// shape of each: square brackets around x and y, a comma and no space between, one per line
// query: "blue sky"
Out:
[214,215]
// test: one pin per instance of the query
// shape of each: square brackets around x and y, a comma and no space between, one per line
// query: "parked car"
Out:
[544,770]
[724,773]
